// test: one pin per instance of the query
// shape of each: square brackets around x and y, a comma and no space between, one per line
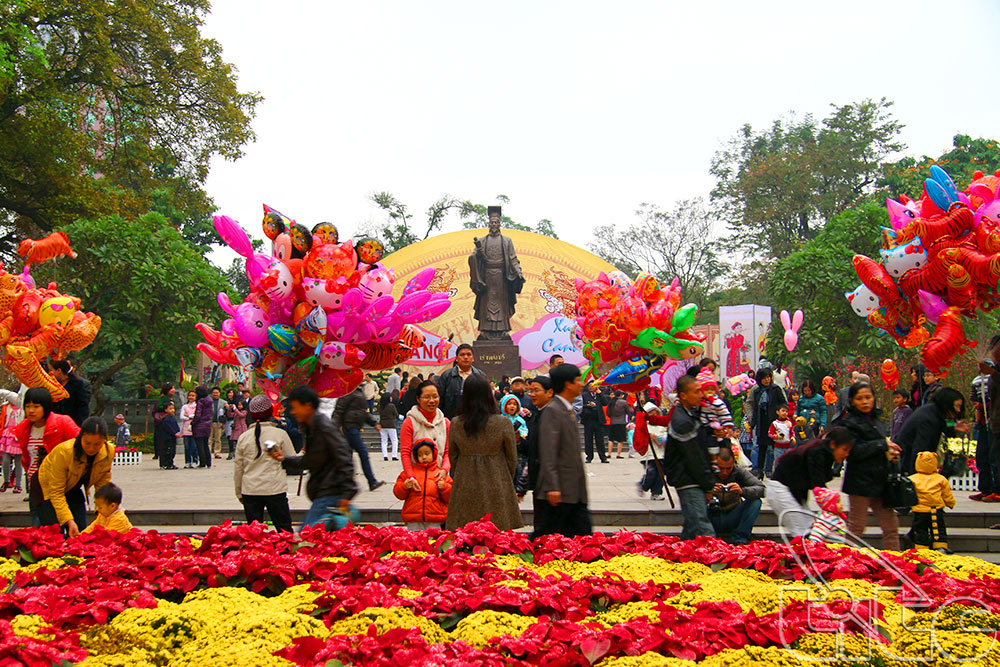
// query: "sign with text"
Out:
[550,335]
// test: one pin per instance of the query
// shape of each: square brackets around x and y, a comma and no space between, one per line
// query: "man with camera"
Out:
[734,503]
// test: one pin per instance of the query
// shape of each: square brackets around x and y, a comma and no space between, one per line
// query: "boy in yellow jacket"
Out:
[110,515]
[933,494]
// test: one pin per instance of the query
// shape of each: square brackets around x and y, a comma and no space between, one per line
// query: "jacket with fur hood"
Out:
[429,504]
[933,489]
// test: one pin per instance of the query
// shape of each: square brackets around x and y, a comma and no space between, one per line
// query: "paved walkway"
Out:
[612,486]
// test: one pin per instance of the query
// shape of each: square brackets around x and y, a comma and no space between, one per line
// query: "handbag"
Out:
[899,490]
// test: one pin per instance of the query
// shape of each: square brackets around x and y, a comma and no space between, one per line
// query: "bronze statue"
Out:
[495,279]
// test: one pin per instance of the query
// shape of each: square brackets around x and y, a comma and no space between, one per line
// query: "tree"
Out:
[777,188]
[476,216]
[111,107]
[968,155]
[149,286]
[815,279]
[398,230]
[668,244]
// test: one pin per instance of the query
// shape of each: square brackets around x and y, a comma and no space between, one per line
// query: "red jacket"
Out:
[430,504]
[58,428]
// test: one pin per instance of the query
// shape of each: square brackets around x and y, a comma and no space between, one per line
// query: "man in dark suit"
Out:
[561,477]
[592,418]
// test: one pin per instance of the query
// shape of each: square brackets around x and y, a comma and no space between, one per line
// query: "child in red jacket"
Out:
[38,434]
[425,498]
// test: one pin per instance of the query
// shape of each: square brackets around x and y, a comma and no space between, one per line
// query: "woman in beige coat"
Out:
[483,457]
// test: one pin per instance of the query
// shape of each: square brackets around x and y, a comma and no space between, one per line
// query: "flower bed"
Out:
[385,596]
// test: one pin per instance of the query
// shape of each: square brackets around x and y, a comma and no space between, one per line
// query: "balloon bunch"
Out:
[39,322]
[630,329]
[940,261]
[319,312]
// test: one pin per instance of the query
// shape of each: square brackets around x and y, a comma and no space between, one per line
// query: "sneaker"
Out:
[641,491]
[992,498]
[17,489]
[378,484]
[657,496]
[4,487]
[976,496]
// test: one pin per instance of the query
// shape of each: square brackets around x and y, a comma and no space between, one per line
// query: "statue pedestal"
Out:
[497,358]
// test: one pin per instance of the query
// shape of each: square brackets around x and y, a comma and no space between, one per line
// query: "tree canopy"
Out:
[112,107]
[668,244]
[777,188]
[400,230]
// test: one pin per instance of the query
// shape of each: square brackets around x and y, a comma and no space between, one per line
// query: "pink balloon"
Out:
[932,305]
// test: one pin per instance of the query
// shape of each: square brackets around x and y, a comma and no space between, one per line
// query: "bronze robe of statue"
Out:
[496,280]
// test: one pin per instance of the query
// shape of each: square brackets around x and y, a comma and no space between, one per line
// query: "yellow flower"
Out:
[30,625]
[388,619]
[648,659]
[204,630]
[482,627]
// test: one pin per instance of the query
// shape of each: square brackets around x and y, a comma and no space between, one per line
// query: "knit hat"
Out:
[707,378]
[827,499]
[261,408]
[120,416]
[650,406]
[425,442]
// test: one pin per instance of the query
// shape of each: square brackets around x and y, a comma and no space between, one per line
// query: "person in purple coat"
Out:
[201,425]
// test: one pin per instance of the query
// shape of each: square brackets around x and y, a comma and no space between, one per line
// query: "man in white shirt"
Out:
[393,384]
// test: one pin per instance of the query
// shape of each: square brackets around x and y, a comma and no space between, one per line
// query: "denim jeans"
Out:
[190,450]
[694,509]
[320,510]
[353,435]
[738,522]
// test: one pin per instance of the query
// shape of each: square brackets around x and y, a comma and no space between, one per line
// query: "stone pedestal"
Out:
[497,358]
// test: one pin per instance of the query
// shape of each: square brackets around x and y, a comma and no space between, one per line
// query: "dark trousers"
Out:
[276,506]
[986,460]
[521,476]
[45,514]
[737,522]
[168,449]
[593,436]
[928,529]
[204,454]
[353,435]
[651,480]
[569,519]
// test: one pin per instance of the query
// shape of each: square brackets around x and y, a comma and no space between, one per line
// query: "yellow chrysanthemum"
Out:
[405,554]
[389,619]
[230,626]
[408,593]
[30,625]
[623,613]
[961,567]
[480,628]
[648,659]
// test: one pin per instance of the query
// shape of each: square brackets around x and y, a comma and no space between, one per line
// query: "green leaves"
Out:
[129,94]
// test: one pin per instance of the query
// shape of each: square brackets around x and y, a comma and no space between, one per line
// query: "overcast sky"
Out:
[577,111]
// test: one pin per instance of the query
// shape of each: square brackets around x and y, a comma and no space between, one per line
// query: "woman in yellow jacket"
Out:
[69,471]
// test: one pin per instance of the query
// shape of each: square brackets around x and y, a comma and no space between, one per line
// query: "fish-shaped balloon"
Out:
[633,370]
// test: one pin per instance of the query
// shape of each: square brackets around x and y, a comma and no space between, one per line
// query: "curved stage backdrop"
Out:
[543,319]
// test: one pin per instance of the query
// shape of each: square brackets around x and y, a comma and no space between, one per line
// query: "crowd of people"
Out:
[469,448]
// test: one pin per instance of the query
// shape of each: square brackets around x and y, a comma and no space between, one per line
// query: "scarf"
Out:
[424,429]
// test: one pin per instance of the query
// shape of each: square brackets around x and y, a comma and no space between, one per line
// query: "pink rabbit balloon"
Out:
[791,326]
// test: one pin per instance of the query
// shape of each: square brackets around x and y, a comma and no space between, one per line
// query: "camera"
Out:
[715,505]
[270,445]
